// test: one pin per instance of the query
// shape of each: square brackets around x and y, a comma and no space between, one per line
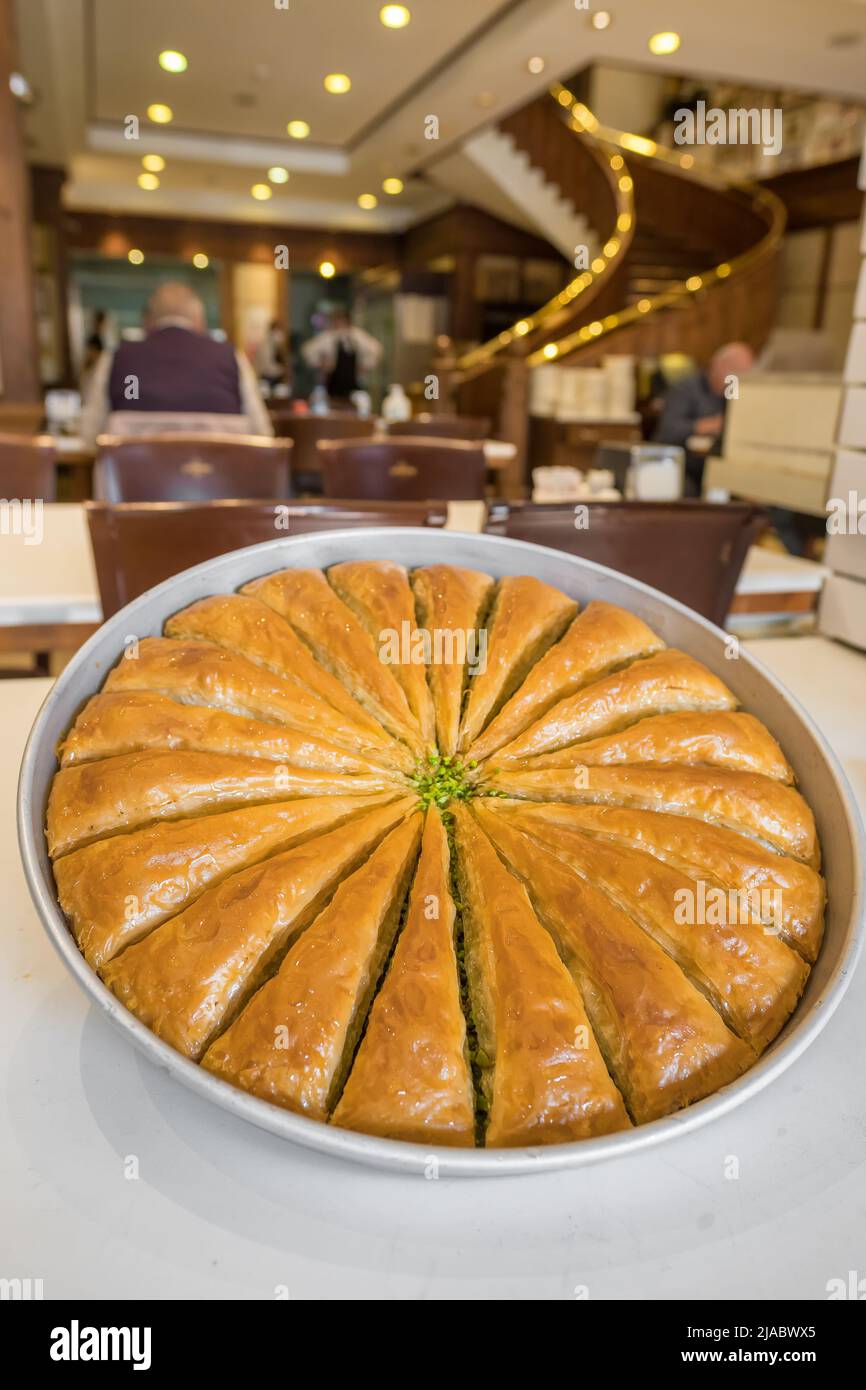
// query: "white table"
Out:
[46,571]
[221,1210]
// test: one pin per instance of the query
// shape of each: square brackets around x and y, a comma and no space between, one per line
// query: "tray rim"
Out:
[398,1155]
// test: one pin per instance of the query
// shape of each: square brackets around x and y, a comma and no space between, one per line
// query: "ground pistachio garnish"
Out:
[439,780]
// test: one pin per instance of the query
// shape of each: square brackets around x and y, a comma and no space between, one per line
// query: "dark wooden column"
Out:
[19,368]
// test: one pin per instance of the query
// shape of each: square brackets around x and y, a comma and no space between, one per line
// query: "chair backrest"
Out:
[305,431]
[442,427]
[190,467]
[692,550]
[137,545]
[27,467]
[404,470]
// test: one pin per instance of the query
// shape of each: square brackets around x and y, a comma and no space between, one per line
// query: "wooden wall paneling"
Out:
[19,363]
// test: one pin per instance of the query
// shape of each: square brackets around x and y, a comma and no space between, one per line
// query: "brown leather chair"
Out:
[27,467]
[305,432]
[136,545]
[190,467]
[404,470]
[442,427]
[692,550]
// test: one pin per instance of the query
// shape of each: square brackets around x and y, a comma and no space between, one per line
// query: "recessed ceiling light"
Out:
[536,65]
[262,191]
[277,174]
[661,44]
[299,130]
[148,182]
[602,19]
[153,163]
[337,83]
[200,260]
[160,113]
[393,186]
[327,270]
[486,99]
[394,16]
[20,88]
[367,201]
[135,257]
[172,61]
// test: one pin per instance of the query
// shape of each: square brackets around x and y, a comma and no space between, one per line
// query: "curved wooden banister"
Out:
[751,221]
[618,198]
[593,178]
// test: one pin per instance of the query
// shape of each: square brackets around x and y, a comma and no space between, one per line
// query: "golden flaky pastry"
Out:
[751,976]
[201,673]
[662,683]
[189,977]
[114,891]
[378,593]
[542,1074]
[526,617]
[140,721]
[435,857]
[664,1043]
[341,644]
[451,606]
[601,638]
[411,1078]
[294,1042]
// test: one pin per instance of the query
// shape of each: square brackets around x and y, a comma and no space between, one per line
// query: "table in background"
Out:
[49,600]
[221,1210]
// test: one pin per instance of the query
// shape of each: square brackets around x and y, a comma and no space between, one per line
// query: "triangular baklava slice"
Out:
[249,627]
[663,1042]
[735,741]
[378,593]
[543,1077]
[526,617]
[751,976]
[411,1078]
[791,895]
[666,682]
[451,607]
[601,639]
[191,976]
[89,800]
[295,1039]
[116,890]
[339,643]
[202,673]
[773,812]
[137,721]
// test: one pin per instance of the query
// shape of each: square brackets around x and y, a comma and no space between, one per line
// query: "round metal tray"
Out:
[818,773]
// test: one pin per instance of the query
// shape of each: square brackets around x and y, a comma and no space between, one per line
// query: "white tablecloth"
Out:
[220,1210]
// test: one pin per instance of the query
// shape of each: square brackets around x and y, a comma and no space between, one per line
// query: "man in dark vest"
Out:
[175,378]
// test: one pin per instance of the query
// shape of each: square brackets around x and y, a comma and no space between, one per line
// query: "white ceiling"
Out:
[254,65]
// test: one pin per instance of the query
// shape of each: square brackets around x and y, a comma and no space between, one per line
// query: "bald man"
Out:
[176,377]
[697,405]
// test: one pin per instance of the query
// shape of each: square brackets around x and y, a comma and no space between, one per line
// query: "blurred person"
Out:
[341,353]
[175,378]
[96,341]
[272,355]
[697,405]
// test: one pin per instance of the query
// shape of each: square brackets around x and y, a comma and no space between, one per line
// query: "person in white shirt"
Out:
[341,354]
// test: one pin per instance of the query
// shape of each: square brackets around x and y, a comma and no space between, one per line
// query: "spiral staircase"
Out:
[675,259]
